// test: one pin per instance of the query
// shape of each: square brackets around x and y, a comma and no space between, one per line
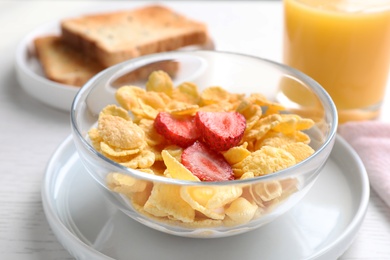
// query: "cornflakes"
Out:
[176,169]
[160,81]
[210,200]
[165,201]
[119,132]
[236,154]
[273,140]
[187,92]
[241,211]
[264,161]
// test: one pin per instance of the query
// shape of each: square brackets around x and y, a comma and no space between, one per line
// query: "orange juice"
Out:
[345,46]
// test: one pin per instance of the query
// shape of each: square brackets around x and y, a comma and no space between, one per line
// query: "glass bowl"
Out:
[209,209]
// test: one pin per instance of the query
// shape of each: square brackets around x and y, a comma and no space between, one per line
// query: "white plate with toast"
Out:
[54,69]
[31,76]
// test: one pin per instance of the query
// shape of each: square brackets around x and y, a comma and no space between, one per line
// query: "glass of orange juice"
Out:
[345,46]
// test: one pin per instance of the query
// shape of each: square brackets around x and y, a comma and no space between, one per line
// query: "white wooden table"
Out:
[30,131]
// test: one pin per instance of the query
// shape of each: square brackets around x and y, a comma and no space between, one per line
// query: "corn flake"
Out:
[241,211]
[262,127]
[236,154]
[114,110]
[187,110]
[125,184]
[213,95]
[119,132]
[210,201]
[165,200]
[187,92]
[300,151]
[116,152]
[291,123]
[144,159]
[267,191]
[160,81]
[95,138]
[176,169]
[127,96]
[264,161]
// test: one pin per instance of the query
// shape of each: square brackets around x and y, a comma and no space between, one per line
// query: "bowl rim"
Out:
[140,61]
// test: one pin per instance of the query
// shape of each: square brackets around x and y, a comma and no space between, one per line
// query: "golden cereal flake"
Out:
[176,169]
[241,211]
[261,100]
[160,81]
[187,92]
[251,112]
[124,184]
[144,111]
[278,139]
[185,110]
[127,96]
[174,151]
[142,160]
[247,175]
[264,161]
[121,133]
[116,152]
[289,186]
[214,95]
[266,191]
[204,223]
[300,136]
[165,200]
[95,138]
[151,136]
[262,127]
[114,110]
[218,107]
[300,151]
[154,210]
[139,198]
[236,154]
[274,141]
[158,168]
[291,123]
[156,100]
[210,201]
[156,151]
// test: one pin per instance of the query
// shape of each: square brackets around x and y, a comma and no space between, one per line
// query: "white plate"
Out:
[321,226]
[30,74]
[32,78]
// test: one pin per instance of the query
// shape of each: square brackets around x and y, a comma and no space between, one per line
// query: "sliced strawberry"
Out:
[180,131]
[221,130]
[206,164]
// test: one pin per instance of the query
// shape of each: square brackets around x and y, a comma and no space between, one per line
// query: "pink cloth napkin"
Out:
[371,140]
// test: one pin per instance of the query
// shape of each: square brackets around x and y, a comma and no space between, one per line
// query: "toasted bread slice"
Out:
[118,36]
[64,64]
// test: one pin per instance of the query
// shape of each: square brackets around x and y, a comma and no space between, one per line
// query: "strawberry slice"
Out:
[206,164]
[180,131]
[221,130]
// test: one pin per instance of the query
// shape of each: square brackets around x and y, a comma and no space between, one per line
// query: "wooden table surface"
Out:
[31,131]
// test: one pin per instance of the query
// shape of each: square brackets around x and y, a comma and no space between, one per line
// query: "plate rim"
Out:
[348,233]
[33,83]
[363,205]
